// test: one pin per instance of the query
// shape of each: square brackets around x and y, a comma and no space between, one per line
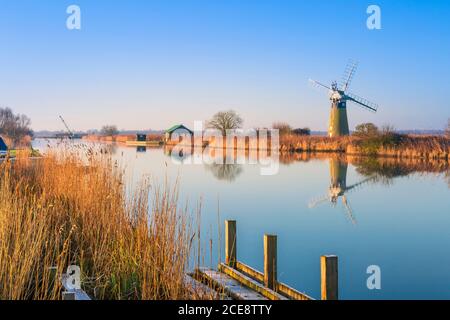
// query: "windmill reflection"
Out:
[338,187]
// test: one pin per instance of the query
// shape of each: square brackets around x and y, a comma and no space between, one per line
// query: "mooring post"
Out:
[270,261]
[230,243]
[329,277]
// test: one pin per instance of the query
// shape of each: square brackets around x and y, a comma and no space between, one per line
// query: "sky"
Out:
[155,63]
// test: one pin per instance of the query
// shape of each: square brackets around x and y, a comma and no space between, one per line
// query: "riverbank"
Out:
[62,210]
[30,153]
[403,147]
[123,138]
[394,145]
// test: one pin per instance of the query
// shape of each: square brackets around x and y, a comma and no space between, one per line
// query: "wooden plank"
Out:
[229,285]
[230,243]
[202,290]
[77,294]
[249,271]
[250,283]
[270,261]
[282,288]
[292,293]
[329,277]
[73,294]
[68,296]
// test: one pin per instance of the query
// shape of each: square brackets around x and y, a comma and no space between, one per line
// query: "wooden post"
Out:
[230,243]
[270,261]
[329,277]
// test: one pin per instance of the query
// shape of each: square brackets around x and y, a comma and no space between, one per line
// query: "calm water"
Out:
[397,217]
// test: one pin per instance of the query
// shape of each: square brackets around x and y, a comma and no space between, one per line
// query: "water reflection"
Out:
[386,169]
[375,170]
[225,172]
[338,187]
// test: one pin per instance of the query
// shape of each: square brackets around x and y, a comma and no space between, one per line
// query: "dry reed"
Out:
[66,209]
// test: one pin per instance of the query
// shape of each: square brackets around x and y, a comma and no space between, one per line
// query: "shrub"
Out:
[365,130]
[302,132]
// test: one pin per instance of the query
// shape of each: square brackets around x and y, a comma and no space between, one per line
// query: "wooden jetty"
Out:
[236,280]
[144,143]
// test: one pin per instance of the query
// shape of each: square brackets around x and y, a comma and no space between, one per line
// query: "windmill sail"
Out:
[349,73]
[348,209]
[362,102]
[318,84]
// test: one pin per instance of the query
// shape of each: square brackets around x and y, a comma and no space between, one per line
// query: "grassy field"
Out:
[69,209]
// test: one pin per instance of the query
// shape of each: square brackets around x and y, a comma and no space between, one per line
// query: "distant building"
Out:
[179,131]
[141,137]
[3,147]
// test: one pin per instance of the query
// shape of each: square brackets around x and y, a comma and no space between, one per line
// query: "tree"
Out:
[388,130]
[366,130]
[14,126]
[225,120]
[283,128]
[109,130]
[302,131]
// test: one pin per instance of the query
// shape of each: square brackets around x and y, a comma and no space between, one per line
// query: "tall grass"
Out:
[389,145]
[66,209]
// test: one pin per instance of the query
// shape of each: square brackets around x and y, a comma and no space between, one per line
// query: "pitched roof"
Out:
[3,146]
[176,127]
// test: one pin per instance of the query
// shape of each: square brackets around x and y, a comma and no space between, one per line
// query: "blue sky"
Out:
[151,64]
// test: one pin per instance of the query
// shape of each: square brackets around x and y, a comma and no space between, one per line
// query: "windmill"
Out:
[339,96]
[338,187]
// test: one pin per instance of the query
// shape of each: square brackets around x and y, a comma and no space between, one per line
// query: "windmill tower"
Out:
[338,125]
[339,188]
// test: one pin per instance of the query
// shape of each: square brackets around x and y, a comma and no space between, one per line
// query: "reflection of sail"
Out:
[338,187]
[226,172]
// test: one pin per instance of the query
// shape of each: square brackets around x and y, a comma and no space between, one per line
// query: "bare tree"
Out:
[225,120]
[109,130]
[283,127]
[14,126]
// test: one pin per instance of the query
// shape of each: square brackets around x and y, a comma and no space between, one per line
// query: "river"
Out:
[391,214]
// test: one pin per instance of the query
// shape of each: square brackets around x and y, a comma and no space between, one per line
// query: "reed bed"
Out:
[69,209]
[397,146]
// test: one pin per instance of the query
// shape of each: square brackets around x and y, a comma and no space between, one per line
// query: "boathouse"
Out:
[141,137]
[178,131]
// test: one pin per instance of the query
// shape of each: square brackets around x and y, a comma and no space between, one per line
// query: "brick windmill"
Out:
[339,96]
